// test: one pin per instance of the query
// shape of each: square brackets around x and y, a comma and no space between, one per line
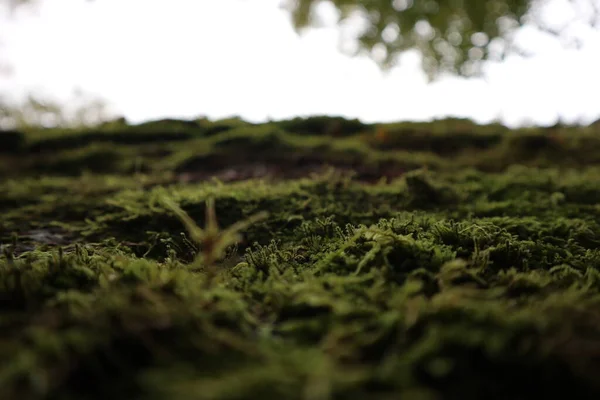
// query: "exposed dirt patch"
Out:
[30,240]
[272,171]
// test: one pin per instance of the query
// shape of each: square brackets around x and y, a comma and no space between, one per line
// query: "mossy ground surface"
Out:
[420,261]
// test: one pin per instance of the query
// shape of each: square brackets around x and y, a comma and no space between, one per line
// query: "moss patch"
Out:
[458,262]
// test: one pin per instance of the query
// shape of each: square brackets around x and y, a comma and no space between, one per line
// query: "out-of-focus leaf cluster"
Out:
[453,36]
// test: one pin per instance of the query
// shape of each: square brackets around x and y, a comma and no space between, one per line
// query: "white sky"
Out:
[184,58]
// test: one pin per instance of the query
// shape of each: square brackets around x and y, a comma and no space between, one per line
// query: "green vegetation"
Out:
[452,36]
[306,259]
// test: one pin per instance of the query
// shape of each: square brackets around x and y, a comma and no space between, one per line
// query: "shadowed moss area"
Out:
[202,148]
[314,258]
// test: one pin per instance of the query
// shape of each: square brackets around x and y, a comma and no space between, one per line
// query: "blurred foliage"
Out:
[453,36]
[38,111]
[233,149]
[13,4]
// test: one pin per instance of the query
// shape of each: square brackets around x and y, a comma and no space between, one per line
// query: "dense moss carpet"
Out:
[317,258]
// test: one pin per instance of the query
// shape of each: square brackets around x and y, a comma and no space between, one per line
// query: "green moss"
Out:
[418,271]
[12,141]
[324,125]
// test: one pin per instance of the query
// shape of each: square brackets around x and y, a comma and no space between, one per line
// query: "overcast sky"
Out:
[184,58]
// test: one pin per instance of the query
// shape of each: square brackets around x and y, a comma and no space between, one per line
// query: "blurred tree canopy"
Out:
[84,110]
[41,110]
[13,4]
[453,36]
